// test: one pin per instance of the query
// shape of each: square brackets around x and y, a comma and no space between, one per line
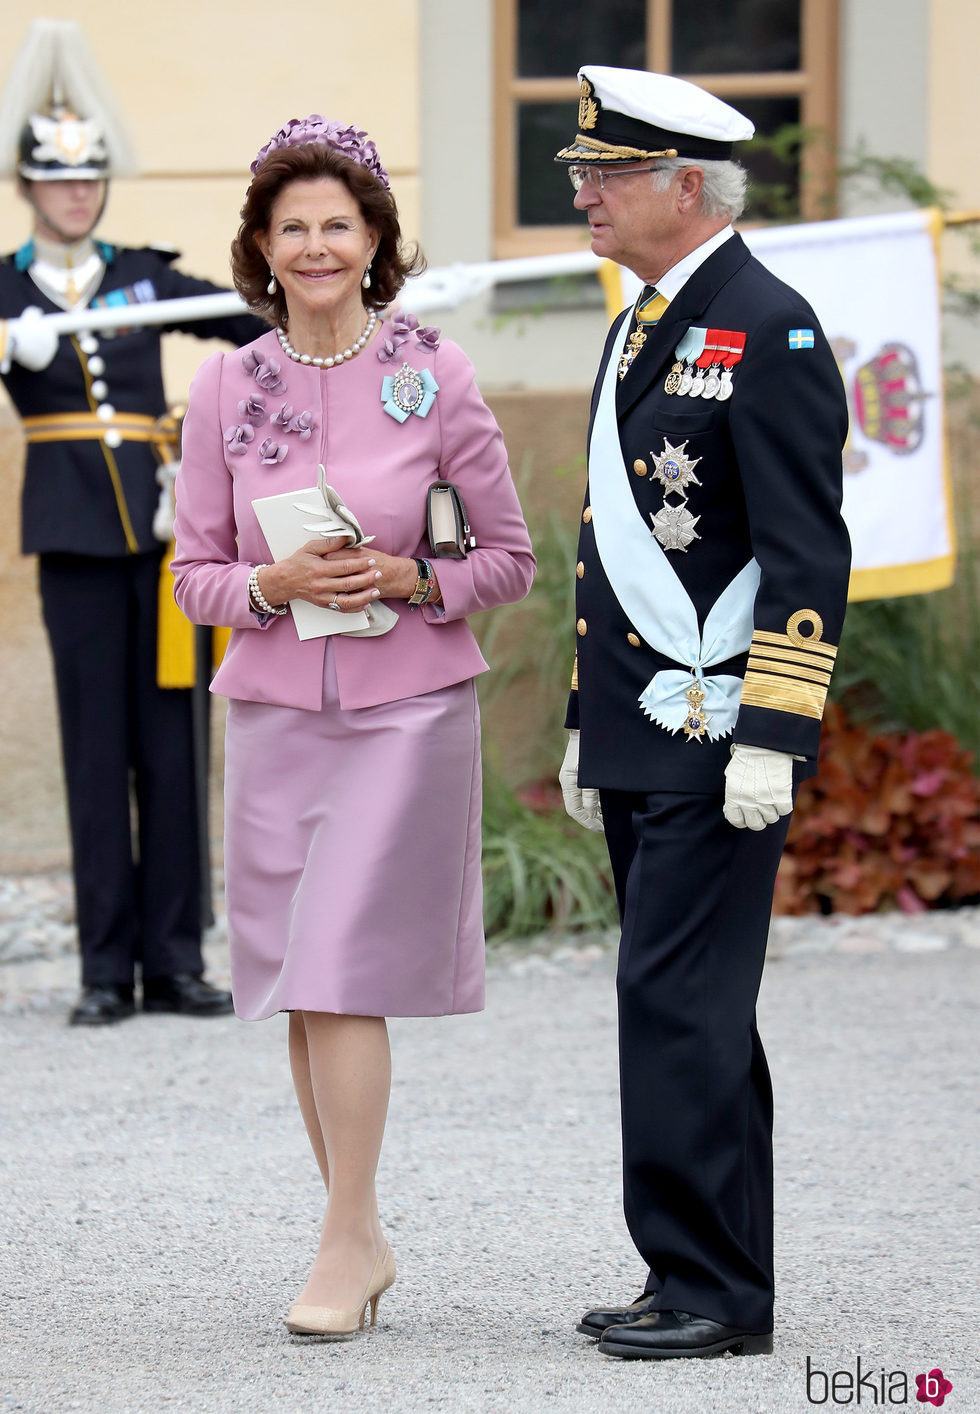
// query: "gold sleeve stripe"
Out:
[575,674]
[791,670]
[791,656]
[783,694]
[783,640]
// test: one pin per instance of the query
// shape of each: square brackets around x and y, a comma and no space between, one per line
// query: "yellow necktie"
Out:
[648,313]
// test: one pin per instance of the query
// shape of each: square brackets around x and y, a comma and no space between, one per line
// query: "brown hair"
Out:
[393,261]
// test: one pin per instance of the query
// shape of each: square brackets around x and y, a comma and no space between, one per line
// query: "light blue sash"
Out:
[651,595]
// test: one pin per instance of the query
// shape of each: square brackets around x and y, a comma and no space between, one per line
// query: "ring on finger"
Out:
[334,604]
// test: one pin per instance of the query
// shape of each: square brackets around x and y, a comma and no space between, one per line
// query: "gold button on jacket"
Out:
[581,628]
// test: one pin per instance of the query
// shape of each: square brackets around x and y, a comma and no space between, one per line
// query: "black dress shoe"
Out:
[595,1322]
[101,1006]
[186,993]
[667,1335]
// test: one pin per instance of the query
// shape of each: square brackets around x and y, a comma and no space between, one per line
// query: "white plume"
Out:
[56,65]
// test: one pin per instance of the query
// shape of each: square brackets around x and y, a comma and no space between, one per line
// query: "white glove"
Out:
[758,787]
[30,340]
[163,516]
[581,805]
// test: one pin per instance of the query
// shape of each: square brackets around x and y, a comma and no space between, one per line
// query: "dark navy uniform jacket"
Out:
[69,501]
[770,473]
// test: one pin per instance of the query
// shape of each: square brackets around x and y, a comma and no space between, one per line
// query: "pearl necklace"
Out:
[352,352]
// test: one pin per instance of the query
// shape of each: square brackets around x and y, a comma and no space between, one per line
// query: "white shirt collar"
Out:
[68,274]
[671,284]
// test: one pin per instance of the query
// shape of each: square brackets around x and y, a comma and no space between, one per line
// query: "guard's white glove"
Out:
[582,805]
[30,340]
[758,787]
[163,516]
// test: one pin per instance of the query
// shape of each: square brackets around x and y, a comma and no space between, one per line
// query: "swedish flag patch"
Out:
[801,338]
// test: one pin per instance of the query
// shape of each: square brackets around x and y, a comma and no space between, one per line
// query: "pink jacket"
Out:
[381,469]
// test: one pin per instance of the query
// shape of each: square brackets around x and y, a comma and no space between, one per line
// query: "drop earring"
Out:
[366,282]
[270,288]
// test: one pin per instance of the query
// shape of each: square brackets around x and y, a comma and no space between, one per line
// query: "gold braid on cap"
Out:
[590,149]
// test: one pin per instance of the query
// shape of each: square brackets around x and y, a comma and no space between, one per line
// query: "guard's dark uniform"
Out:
[694,892]
[88,503]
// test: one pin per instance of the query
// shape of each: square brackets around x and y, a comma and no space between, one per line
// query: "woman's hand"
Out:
[331,574]
[326,572]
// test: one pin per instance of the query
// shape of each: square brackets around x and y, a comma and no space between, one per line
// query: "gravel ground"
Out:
[160,1206]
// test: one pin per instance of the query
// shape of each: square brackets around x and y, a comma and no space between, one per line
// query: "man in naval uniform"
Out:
[89,407]
[711,583]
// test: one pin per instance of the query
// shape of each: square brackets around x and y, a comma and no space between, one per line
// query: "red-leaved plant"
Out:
[891,821]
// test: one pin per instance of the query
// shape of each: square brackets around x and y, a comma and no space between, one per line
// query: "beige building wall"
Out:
[203,86]
[953,162]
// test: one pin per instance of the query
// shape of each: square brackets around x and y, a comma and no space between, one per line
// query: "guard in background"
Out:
[94,417]
[712,579]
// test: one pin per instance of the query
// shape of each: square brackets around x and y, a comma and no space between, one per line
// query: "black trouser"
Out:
[137,900]
[695,897]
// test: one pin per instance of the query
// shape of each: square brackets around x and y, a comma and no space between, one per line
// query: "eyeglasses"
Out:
[578,176]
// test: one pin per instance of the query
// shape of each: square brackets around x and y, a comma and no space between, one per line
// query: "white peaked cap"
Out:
[629,114]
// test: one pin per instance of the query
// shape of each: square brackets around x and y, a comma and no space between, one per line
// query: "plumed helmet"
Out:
[58,118]
[59,146]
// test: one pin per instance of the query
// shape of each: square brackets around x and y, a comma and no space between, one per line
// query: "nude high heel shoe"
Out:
[331,1324]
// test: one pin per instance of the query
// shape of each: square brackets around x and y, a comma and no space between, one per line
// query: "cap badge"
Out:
[588,108]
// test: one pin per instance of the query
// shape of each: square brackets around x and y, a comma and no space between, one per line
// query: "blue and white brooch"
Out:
[408,391]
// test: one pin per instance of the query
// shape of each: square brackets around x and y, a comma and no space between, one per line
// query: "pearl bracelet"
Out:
[258,598]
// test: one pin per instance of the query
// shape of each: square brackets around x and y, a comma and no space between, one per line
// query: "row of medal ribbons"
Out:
[704,361]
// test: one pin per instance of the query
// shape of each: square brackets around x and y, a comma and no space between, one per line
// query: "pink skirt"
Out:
[352,855]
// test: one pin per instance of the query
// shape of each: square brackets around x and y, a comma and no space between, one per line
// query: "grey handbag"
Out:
[448,525]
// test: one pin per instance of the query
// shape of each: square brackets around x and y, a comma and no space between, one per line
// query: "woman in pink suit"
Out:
[352,833]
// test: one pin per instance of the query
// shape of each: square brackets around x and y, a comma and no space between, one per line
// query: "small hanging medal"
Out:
[696,722]
[688,351]
[724,386]
[636,341]
[712,383]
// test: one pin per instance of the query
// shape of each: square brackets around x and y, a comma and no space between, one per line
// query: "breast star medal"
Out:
[674,527]
[675,469]
[696,722]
